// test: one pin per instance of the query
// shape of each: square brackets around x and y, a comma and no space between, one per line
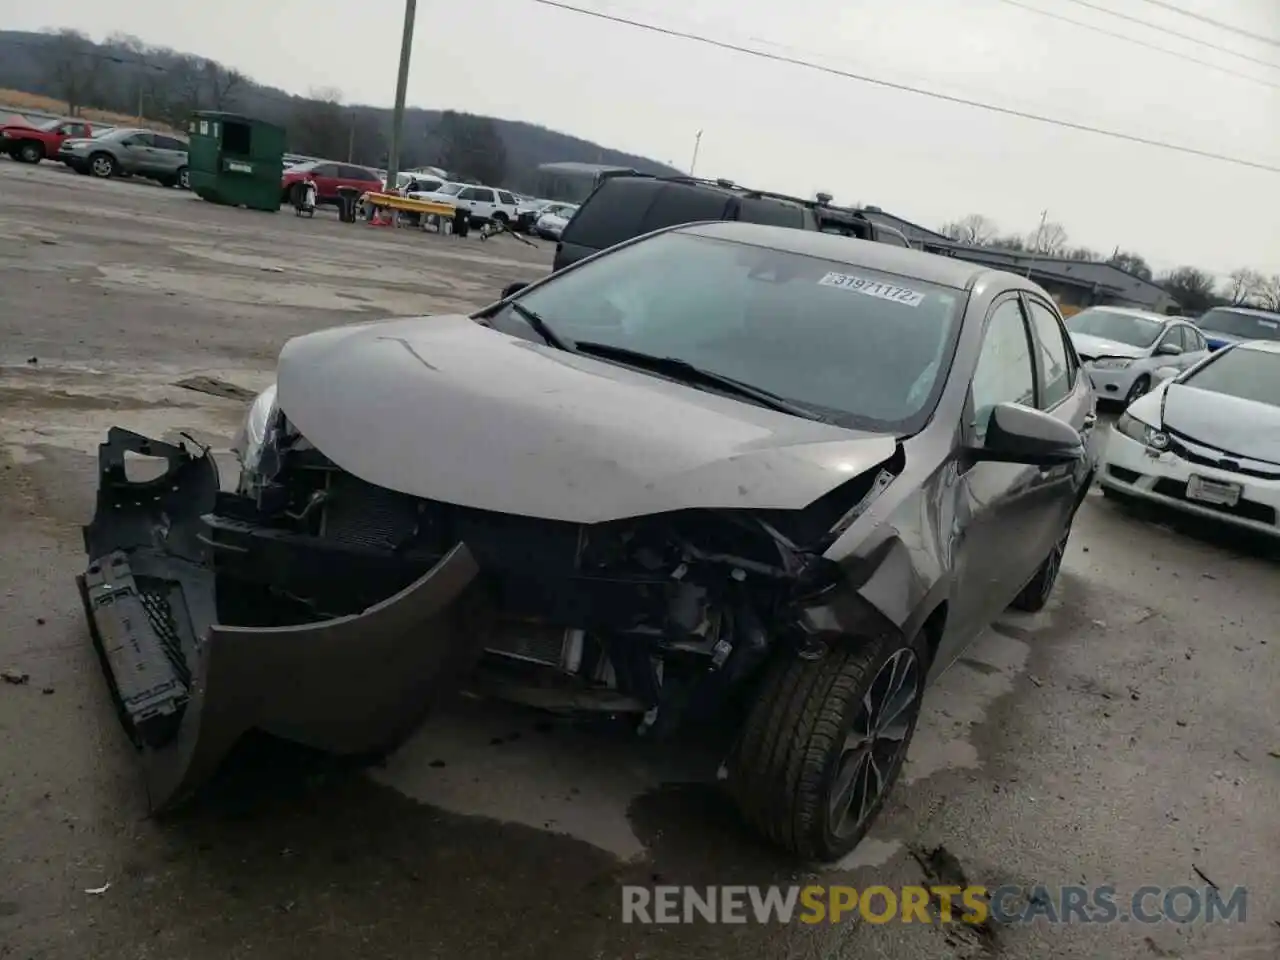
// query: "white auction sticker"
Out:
[873,288]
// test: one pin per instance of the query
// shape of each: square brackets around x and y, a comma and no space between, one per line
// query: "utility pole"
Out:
[402,82]
[351,137]
[697,139]
[1039,244]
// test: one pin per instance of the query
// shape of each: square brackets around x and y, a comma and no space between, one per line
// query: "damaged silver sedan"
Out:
[723,475]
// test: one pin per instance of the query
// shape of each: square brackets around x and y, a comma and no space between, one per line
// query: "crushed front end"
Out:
[324,609]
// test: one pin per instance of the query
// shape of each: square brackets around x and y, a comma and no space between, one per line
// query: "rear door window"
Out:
[506,198]
[682,203]
[774,213]
[612,213]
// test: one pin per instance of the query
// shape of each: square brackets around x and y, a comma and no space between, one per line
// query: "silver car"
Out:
[129,151]
[1122,348]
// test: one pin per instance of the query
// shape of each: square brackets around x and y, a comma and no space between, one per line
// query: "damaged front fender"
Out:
[187,687]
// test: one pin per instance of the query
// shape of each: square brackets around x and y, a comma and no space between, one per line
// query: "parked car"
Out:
[722,471]
[553,219]
[528,209]
[628,205]
[66,152]
[484,203]
[33,142]
[1122,348]
[328,176]
[1206,442]
[1224,325]
[131,151]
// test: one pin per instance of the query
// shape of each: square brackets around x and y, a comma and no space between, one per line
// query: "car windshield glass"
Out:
[1246,326]
[1247,374]
[1120,327]
[451,189]
[863,348]
[48,125]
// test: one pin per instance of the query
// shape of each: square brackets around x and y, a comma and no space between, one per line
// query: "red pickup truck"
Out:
[33,142]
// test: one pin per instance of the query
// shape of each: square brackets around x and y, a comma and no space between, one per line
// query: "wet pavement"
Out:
[1127,736]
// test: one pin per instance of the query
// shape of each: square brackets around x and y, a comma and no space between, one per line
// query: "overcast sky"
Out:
[784,127]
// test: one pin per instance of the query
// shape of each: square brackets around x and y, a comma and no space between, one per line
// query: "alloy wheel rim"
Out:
[101,166]
[875,743]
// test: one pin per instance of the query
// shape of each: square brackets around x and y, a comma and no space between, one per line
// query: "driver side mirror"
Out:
[1168,350]
[511,289]
[1018,434]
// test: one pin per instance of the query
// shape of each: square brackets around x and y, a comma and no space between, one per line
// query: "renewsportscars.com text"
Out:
[939,904]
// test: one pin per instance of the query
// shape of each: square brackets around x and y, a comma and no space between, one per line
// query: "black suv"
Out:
[626,206]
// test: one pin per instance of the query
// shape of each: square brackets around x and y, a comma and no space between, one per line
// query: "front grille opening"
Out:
[158,599]
[1120,473]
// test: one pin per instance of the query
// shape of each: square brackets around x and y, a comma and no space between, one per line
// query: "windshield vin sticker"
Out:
[873,288]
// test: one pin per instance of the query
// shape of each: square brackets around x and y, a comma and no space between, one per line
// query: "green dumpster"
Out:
[236,160]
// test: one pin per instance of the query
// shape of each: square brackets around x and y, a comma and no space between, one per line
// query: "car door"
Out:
[1163,354]
[170,154]
[1063,392]
[1194,349]
[483,206]
[997,504]
[326,176]
[137,153]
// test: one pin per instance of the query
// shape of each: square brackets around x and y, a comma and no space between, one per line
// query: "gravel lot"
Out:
[1129,735]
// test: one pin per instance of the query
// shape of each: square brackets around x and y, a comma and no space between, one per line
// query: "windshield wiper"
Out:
[692,373]
[534,319]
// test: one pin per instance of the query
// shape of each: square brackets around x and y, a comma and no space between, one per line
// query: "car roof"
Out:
[1260,346]
[1135,312]
[1249,312]
[888,258]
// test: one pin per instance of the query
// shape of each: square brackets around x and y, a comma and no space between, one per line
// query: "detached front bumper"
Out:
[187,687]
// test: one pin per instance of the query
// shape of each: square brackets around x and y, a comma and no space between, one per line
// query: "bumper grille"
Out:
[157,597]
[361,514]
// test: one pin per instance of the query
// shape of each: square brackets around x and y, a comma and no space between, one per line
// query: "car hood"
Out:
[446,409]
[1242,427]
[1092,346]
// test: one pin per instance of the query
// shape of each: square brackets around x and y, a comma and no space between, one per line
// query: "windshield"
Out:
[1241,372]
[450,189]
[1120,327]
[1246,326]
[864,349]
[47,125]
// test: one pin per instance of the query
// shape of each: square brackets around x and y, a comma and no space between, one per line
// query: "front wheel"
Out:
[102,165]
[824,742]
[184,178]
[1139,388]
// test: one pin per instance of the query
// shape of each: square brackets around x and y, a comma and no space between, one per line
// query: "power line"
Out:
[1230,28]
[1142,43]
[1174,33]
[906,88]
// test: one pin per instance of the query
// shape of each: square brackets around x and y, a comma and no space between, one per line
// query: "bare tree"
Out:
[1013,241]
[1192,288]
[72,64]
[1268,295]
[1245,286]
[975,230]
[1083,254]
[222,83]
[1049,239]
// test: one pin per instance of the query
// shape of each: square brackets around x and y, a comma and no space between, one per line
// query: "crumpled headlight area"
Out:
[1135,429]
[251,440]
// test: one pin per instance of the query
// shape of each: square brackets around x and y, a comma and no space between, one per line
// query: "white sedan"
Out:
[1122,348]
[553,219]
[1206,442]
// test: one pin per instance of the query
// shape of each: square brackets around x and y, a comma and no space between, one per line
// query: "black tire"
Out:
[103,166]
[784,770]
[183,179]
[1139,388]
[501,218]
[29,151]
[1039,588]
